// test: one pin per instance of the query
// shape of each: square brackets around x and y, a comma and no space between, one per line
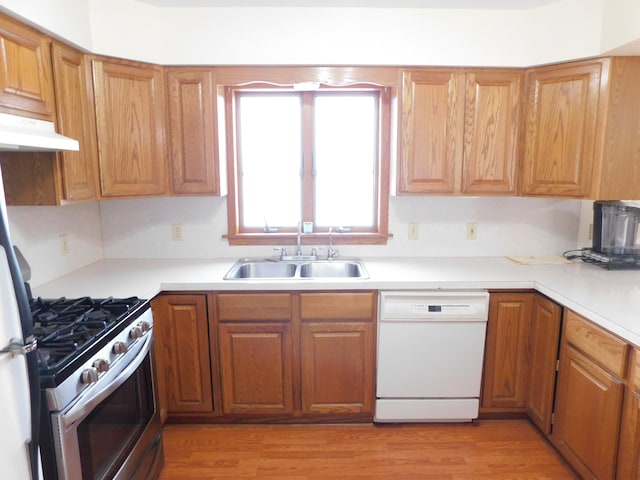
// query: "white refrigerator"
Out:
[19,382]
[16,402]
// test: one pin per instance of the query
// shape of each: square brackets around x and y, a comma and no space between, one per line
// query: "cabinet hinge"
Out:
[557,365]
[553,418]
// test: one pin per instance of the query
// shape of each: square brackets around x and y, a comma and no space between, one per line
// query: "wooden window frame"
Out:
[378,235]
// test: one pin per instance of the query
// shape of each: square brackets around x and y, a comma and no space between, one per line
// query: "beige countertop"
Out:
[609,298]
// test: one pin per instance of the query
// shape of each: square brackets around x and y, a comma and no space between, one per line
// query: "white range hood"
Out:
[23,134]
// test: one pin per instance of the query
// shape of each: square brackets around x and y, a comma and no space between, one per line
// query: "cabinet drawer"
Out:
[604,348]
[330,306]
[249,307]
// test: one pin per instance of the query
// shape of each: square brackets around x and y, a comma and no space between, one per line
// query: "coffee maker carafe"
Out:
[616,227]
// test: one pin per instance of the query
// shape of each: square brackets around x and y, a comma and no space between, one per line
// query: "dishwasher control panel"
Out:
[422,305]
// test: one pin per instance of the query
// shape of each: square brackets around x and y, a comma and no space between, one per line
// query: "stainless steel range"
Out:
[99,418]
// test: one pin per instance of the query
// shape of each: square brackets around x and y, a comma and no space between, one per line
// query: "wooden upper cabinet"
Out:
[26,85]
[617,172]
[432,122]
[192,132]
[492,126]
[76,119]
[47,178]
[581,130]
[459,131]
[130,116]
[560,129]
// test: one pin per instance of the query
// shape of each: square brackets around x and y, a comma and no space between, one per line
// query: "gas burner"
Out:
[67,328]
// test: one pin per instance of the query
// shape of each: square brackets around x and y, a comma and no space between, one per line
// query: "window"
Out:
[318,156]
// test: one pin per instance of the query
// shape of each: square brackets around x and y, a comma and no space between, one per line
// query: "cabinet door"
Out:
[337,367]
[587,415]
[505,367]
[192,115]
[492,120]
[76,119]
[130,115]
[256,368]
[181,331]
[629,456]
[432,116]
[560,129]
[26,85]
[544,337]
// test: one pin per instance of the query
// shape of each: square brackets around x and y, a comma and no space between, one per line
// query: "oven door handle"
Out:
[87,403]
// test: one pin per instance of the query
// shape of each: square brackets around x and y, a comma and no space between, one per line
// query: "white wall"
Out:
[621,26]
[356,36]
[36,231]
[67,19]
[506,225]
[563,30]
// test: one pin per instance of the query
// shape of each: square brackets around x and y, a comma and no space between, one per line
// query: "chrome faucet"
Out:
[332,252]
[299,241]
[298,255]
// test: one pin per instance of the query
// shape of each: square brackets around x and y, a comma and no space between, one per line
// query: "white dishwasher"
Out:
[430,354]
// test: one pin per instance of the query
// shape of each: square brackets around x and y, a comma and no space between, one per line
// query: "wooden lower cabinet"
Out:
[505,364]
[256,368]
[629,454]
[590,392]
[543,344]
[183,355]
[337,353]
[337,367]
[298,356]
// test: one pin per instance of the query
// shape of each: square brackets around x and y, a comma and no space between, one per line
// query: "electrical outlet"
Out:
[591,231]
[64,244]
[176,232]
[413,231]
[472,231]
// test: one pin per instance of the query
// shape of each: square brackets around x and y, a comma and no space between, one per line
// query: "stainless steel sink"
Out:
[333,268]
[247,268]
[269,268]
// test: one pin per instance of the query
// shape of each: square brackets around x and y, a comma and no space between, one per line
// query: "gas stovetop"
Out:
[69,330]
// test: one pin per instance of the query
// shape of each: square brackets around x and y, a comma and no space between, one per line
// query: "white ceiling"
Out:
[452,4]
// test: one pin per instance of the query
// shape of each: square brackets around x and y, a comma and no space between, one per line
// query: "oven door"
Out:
[114,431]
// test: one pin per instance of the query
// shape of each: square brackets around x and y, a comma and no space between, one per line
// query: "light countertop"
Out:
[608,298]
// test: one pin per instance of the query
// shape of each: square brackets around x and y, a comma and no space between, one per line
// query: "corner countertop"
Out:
[608,298]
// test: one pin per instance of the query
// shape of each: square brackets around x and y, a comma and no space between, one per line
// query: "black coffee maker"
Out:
[616,234]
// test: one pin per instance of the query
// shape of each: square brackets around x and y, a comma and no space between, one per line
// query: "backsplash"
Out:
[142,228]
[36,231]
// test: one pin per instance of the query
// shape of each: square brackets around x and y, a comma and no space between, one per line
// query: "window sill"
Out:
[282,239]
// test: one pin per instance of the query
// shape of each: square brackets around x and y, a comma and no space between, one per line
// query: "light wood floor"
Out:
[489,449]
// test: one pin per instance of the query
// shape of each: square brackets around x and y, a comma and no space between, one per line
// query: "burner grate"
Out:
[66,328]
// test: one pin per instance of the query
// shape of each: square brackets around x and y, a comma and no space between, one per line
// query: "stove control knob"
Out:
[145,326]
[89,375]
[136,332]
[101,365]
[119,348]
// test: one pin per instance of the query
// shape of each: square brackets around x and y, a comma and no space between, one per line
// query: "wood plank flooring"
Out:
[488,449]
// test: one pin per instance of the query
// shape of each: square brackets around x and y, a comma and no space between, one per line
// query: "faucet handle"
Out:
[282,250]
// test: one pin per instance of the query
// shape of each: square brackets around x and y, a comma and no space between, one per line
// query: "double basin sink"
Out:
[271,268]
